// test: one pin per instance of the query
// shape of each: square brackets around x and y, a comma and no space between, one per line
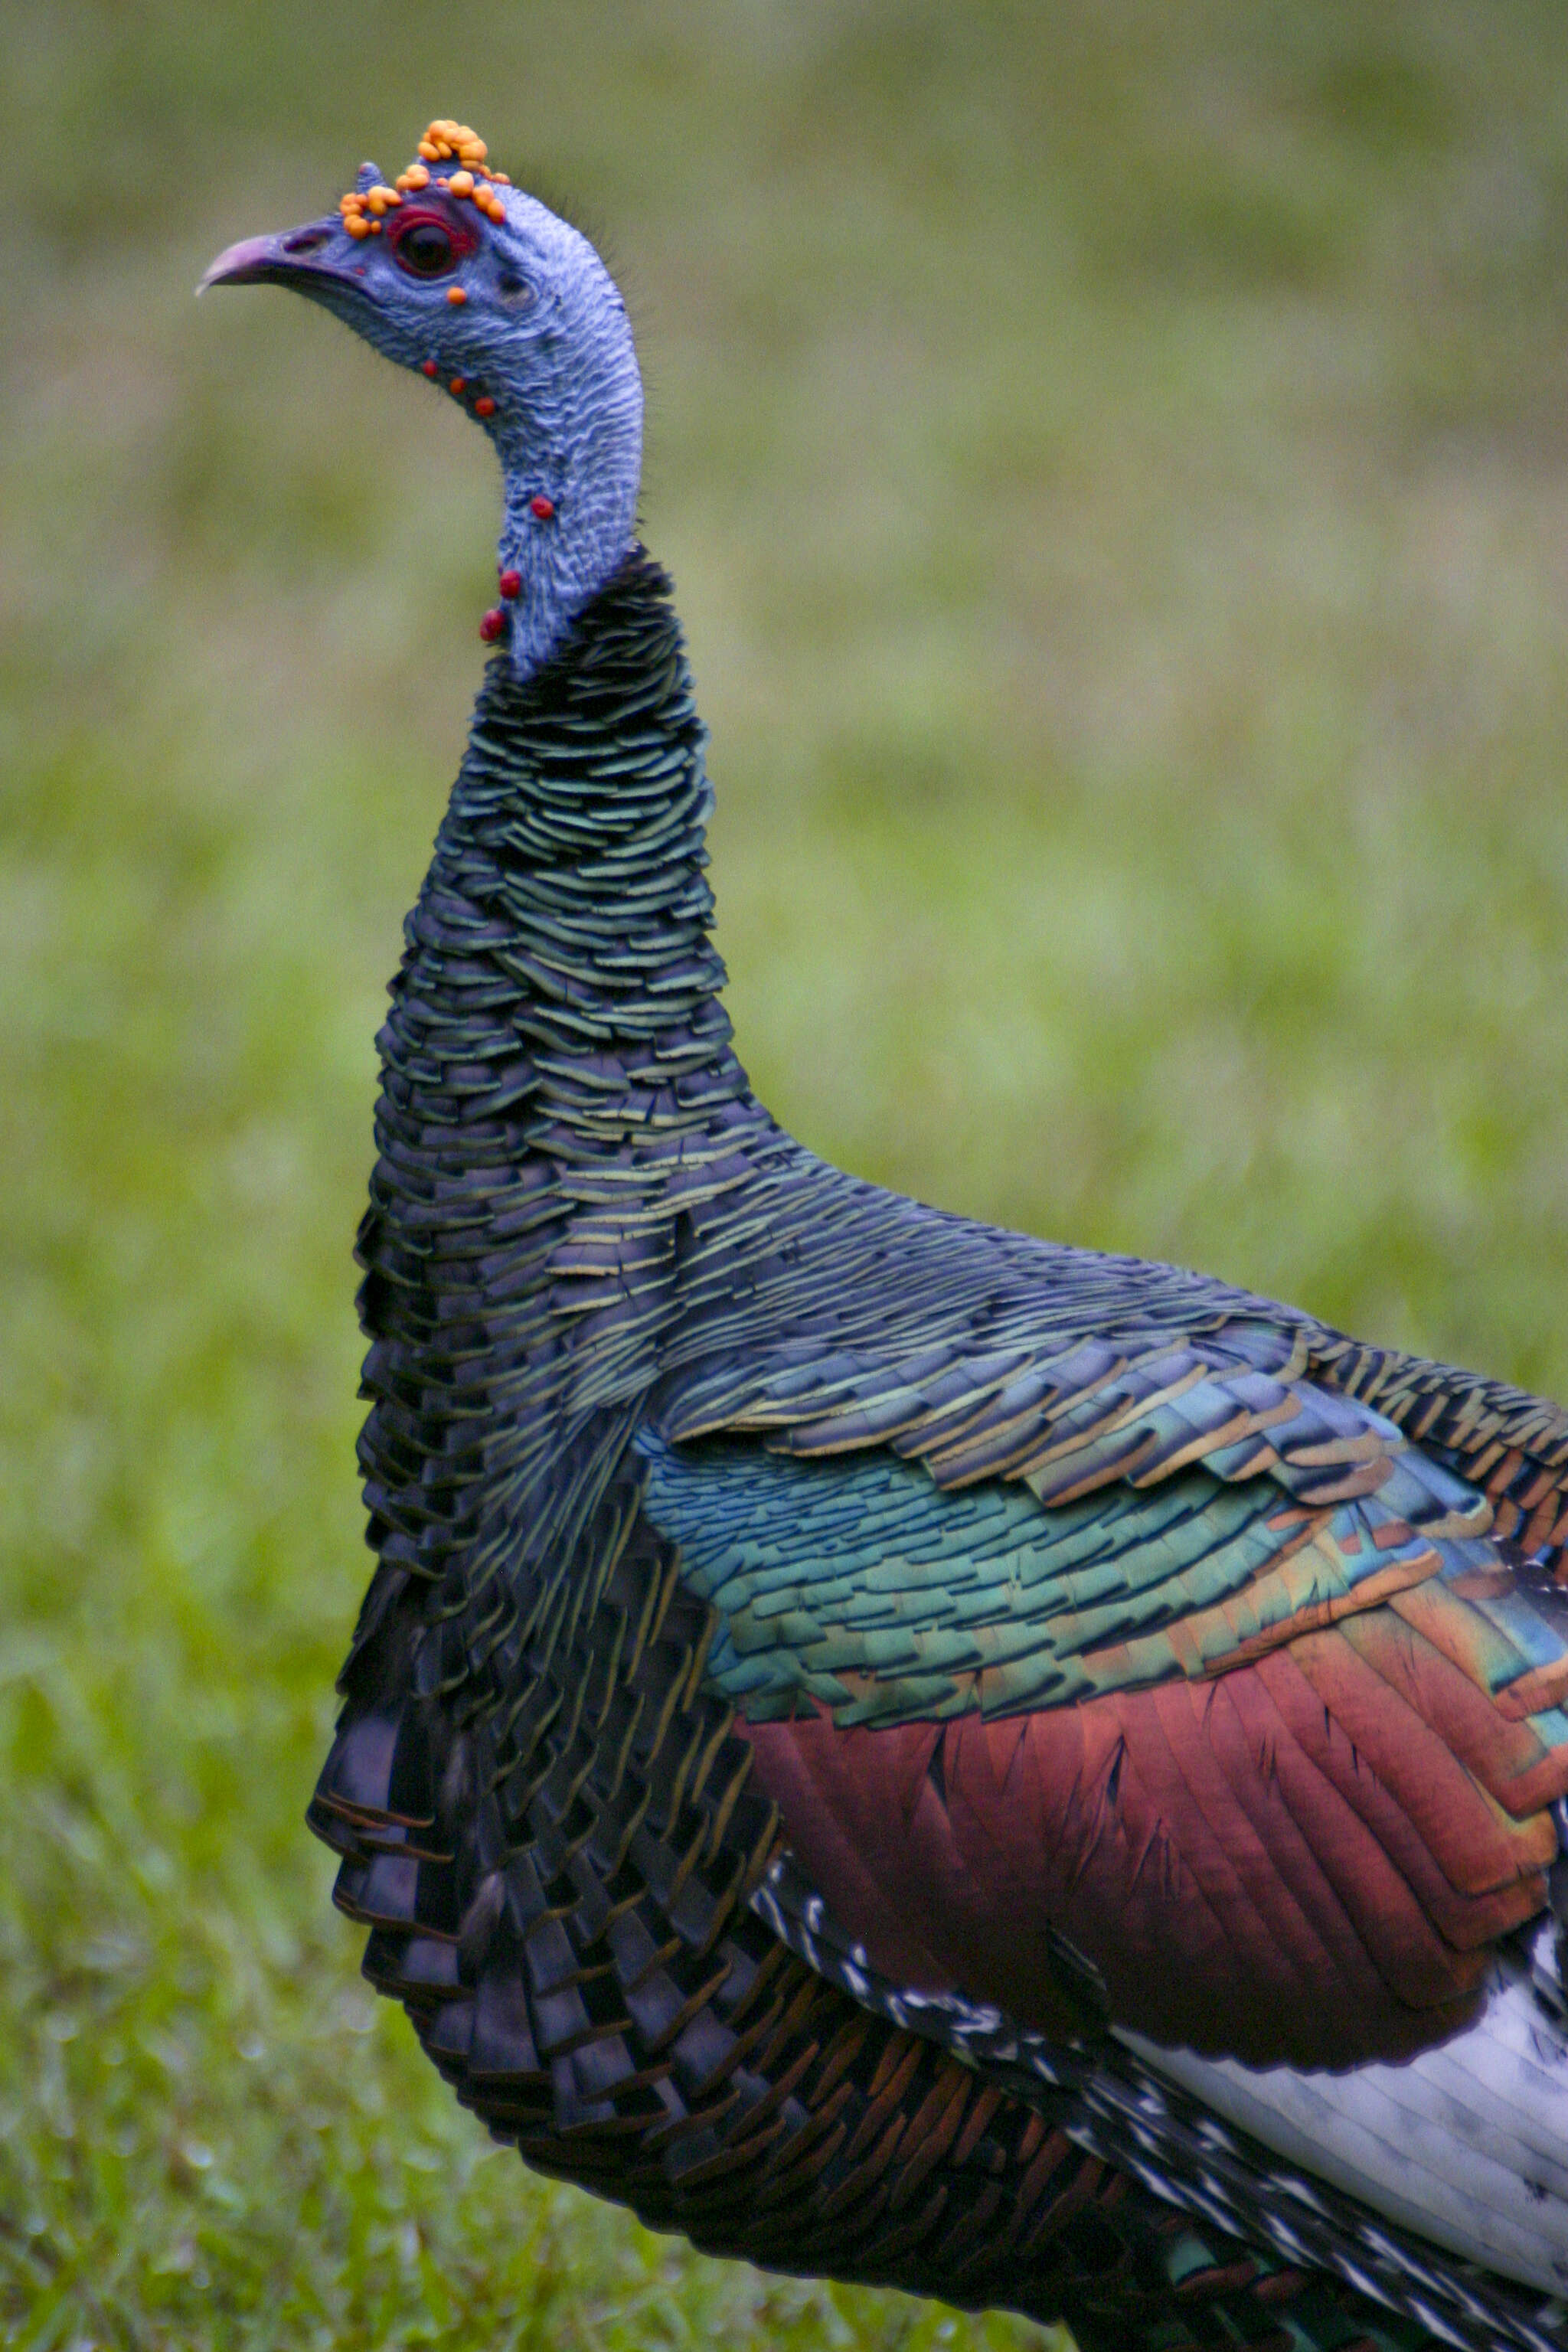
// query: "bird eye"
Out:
[426,249]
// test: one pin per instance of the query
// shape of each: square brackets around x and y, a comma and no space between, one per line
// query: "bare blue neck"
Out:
[570,444]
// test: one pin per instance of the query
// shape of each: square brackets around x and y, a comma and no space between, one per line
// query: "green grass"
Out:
[1115,463]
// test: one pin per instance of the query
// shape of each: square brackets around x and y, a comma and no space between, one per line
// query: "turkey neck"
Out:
[569,438]
[556,1074]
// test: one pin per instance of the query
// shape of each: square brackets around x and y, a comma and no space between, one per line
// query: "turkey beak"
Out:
[309,259]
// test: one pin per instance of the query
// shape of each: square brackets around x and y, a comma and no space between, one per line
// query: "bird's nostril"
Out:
[308,240]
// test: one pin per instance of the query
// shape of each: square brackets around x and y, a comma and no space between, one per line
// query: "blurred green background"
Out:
[1114,459]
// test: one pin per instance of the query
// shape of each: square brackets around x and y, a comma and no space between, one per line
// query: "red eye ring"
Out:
[429,241]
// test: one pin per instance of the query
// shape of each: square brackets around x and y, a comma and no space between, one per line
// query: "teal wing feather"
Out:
[1028,1527]
[870,1591]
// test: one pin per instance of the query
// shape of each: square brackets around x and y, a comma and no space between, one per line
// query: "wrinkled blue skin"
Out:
[544,328]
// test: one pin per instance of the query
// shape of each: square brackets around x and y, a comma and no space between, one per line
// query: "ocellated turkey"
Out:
[901,1750]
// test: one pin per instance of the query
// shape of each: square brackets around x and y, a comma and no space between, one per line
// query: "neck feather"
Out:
[559,981]
[554,1042]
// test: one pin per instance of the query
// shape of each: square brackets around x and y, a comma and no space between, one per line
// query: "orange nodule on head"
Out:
[454,142]
[443,143]
[448,138]
[363,211]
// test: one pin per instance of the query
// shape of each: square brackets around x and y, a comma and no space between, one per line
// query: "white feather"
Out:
[1466,2144]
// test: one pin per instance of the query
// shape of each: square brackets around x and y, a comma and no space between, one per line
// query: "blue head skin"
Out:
[540,332]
